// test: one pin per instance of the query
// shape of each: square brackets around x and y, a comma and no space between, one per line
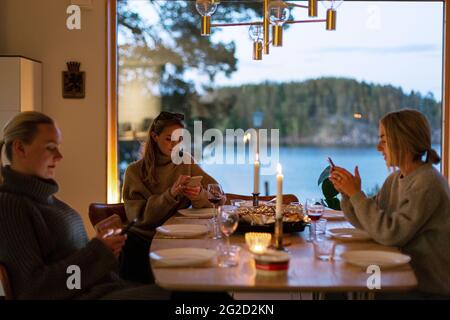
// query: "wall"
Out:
[37,29]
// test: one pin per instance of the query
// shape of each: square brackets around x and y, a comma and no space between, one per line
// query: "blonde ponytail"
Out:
[408,132]
[432,156]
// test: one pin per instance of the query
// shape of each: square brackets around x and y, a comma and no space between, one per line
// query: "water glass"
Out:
[215,228]
[321,226]
[323,247]
[109,226]
[228,256]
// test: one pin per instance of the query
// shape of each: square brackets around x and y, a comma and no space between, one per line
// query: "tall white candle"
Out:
[279,206]
[256,175]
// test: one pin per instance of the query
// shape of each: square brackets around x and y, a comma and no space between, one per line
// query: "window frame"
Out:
[113,192]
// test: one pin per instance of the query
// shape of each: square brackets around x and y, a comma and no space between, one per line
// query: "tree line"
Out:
[324,111]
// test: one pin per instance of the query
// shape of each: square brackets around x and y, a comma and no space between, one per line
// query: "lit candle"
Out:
[256,175]
[258,242]
[279,206]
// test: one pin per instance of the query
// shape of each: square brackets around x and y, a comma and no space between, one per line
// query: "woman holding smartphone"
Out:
[155,187]
[412,209]
[41,236]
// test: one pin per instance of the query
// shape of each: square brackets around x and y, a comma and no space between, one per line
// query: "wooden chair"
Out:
[287,198]
[101,211]
[4,282]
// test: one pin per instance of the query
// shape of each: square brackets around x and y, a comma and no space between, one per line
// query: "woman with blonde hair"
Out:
[43,240]
[155,187]
[412,209]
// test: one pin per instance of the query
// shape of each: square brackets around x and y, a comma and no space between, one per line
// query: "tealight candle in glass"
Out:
[258,242]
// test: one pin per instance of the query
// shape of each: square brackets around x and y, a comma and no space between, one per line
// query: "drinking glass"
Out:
[228,256]
[321,226]
[323,247]
[109,226]
[314,209]
[215,196]
[228,221]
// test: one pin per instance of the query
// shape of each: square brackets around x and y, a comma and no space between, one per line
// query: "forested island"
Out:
[324,111]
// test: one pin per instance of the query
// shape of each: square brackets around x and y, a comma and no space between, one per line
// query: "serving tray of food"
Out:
[262,218]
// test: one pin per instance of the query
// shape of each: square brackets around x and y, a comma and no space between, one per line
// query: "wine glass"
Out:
[314,209]
[215,196]
[228,221]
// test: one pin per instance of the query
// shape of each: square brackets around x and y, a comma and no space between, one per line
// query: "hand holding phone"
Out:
[113,222]
[128,226]
[194,182]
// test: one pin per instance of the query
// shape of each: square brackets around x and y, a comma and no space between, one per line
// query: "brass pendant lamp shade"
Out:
[275,13]
[312,8]
[331,19]
[257,50]
[206,26]
[277,34]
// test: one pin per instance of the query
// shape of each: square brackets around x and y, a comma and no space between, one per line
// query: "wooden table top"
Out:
[305,272]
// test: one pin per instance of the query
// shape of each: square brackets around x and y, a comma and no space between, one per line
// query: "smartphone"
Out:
[331,162]
[128,227]
[194,182]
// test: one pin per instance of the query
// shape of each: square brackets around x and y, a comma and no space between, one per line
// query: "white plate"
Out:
[331,214]
[183,230]
[198,213]
[182,257]
[349,234]
[384,259]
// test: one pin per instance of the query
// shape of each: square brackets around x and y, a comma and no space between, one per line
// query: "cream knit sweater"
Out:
[412,213]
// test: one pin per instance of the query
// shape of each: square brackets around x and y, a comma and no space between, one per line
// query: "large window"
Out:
[325,91]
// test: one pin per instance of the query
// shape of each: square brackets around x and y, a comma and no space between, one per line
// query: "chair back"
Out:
[101,211]
[5,283]
[287,198]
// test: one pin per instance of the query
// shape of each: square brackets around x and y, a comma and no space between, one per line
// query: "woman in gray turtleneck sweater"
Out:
[412,209]
[41,237]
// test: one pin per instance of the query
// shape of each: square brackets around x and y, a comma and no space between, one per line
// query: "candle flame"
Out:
[257,157]
[258,242]
[279,169]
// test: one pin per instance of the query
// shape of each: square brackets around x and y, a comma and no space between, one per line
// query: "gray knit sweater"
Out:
[42,236]
[412,213]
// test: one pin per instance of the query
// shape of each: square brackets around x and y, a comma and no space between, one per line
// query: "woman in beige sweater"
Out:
[412,209]
[154,189]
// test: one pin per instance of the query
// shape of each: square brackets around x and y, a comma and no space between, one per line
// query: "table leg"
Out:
[317,295]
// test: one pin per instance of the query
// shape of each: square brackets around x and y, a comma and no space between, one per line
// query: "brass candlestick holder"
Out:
[255,199]
[279,234]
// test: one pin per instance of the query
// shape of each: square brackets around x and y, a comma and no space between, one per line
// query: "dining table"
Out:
[305,273]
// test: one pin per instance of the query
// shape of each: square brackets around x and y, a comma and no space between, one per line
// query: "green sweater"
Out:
[152,203]
[412,213]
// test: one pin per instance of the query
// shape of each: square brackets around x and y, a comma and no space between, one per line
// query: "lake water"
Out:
[302,167]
